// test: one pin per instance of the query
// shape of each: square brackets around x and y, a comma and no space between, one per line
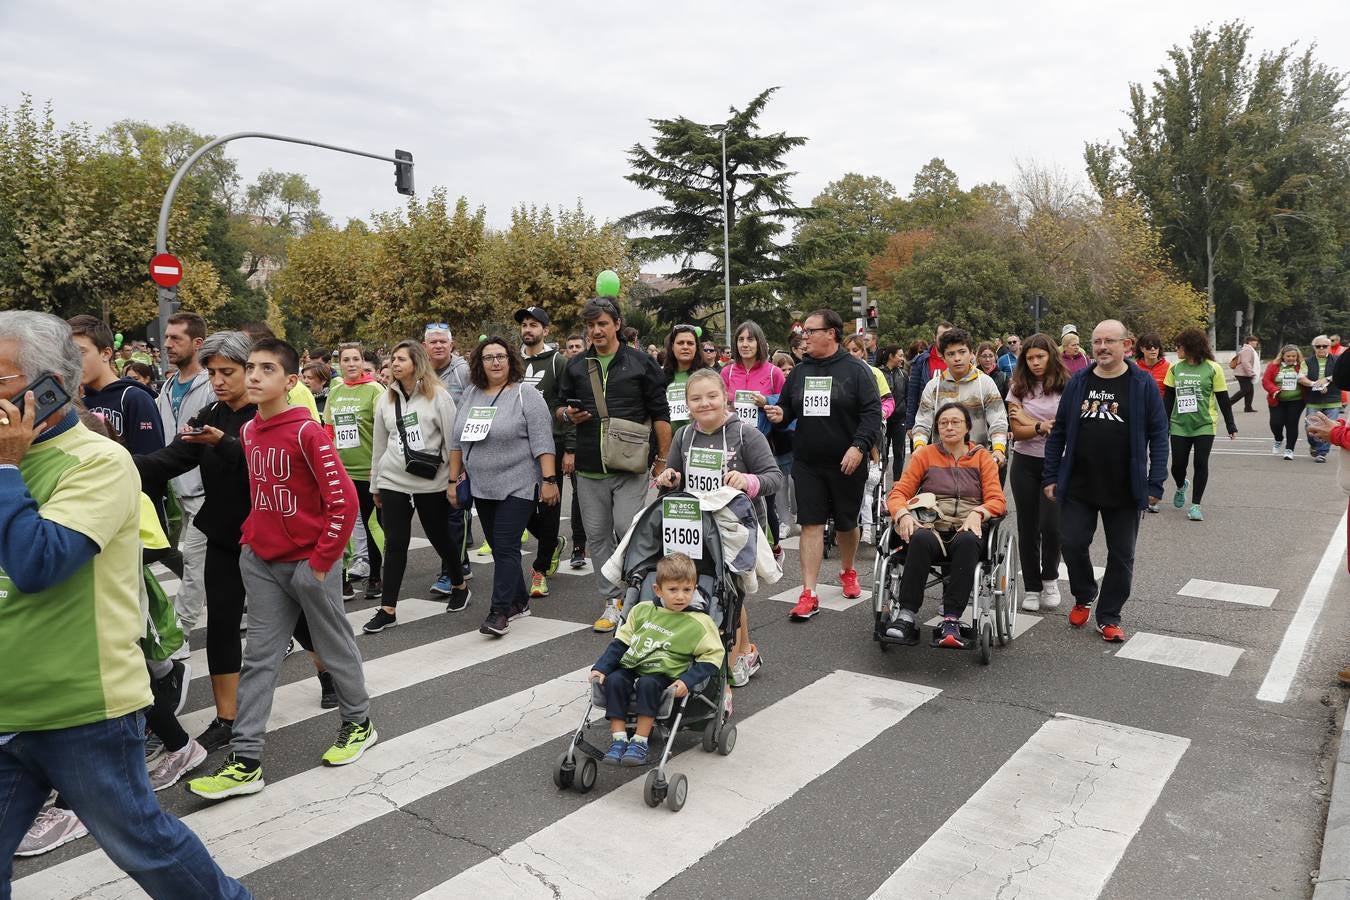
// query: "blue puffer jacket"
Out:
[1148,436]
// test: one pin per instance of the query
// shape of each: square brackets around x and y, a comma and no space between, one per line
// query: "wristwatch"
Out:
[552,479]
[1038,427]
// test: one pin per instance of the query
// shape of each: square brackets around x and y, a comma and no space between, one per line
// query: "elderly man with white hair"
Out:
[72,676]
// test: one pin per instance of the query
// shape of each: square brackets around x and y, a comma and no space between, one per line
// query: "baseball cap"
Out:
[1067,330]
[534,312]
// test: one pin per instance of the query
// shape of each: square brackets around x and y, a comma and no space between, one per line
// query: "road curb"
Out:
[1333,876]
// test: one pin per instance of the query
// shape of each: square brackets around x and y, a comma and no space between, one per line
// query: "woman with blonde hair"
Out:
[1286,382]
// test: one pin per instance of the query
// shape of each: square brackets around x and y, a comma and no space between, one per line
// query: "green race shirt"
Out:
[351,412]
[667,643]
[1282,375]
[1197,406]
[70,654]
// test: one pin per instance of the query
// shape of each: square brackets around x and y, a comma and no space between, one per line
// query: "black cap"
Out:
[534,312]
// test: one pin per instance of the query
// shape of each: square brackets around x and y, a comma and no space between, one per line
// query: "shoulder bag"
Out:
[624,444]
[417,463]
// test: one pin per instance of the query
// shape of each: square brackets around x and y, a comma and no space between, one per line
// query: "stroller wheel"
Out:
[726,741]
[653,789]
[563,773]
[584,784]
[710,737]
[679,792]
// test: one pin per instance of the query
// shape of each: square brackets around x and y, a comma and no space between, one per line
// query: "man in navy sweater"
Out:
[124,403]
[1106,457]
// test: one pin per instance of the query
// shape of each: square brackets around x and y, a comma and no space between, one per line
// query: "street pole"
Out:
[726,241]
[168,297]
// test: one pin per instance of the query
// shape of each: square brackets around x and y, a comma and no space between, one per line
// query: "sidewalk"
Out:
[1333,876]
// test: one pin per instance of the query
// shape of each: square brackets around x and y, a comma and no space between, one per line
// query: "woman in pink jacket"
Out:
[752,383]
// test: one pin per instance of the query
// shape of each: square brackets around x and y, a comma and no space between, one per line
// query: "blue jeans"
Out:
[100,771]
[1322,448]
[503,521]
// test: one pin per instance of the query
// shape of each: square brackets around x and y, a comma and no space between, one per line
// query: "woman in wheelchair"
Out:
[958,489]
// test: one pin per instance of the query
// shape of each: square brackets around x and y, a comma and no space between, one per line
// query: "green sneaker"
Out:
[1195,515]
[538,585]
[558,550]
[234,778]
[353,739]
[485,550]
[1179,498]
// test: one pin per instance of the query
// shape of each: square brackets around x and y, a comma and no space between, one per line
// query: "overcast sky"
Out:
[537,102]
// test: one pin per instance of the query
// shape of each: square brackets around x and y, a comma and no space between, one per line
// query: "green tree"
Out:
[684,167]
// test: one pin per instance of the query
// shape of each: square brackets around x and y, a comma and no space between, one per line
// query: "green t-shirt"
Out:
[675,396]
[1289,375]
[604,374]
[351,412]
[70,654]
[1197,405]
[667,643]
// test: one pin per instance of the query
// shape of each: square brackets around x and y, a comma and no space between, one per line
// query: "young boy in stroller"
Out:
[655,647]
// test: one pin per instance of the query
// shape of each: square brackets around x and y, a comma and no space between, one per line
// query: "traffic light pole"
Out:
[168,297]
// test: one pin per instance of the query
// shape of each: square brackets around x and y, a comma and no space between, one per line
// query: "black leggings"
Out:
[433,511]
[1037,523]
[224,610]
[368,509]
[1284,418]
[1181,452]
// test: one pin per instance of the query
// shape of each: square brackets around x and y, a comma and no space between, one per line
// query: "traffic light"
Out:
[403,172]
[859,301]
[872,317]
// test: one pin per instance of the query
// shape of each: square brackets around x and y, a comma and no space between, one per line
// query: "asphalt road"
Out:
[1064,769]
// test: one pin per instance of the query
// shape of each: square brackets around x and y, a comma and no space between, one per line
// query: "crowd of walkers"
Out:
[271,480]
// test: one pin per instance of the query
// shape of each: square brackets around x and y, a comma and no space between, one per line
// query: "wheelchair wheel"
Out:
[653,789]
[586,781]
[726,741]
[678,793]
[986,644]
[1009,590]
[564,772]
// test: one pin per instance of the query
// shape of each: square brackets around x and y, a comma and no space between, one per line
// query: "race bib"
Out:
[346,433]
[479,423]
[413,431]
[679,407]
[682,527]
[703,470]
[816,396]
[1288,381]
[1188,403]
[746,410]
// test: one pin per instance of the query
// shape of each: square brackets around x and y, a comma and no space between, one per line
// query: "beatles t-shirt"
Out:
[1101,460]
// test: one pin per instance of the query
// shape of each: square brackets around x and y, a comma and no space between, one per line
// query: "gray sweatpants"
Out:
[608,505]
[277,593]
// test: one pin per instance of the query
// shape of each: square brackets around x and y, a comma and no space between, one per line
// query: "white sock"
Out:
[639,739]
[620,736]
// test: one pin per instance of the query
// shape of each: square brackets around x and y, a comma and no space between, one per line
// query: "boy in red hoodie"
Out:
[304,509]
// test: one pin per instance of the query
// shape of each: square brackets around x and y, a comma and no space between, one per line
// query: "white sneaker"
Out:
[1277,449]
[1031,601]
[1050,595]
[185,651]
[52,828]
[1289,454]
[359,569]
[173,766]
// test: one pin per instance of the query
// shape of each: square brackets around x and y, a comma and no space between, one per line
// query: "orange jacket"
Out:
[932,468]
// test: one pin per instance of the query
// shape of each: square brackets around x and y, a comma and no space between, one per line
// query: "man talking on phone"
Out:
[72,676]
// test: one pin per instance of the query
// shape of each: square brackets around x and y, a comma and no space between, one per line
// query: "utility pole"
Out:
[726,239]
[168,297]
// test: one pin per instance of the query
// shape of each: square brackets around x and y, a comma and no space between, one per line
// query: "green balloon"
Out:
[607,284]
[117,340]
[698,332]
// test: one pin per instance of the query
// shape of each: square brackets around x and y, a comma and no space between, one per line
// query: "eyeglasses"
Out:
[810,331]
[1321,346]
[437,326]
[1105,342]
[494,357]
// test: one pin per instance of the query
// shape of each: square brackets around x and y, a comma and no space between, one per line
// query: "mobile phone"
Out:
[47,394]
[575,404]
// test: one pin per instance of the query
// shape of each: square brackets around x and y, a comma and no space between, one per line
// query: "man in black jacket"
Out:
[543,367]
[833,398]
[634,388]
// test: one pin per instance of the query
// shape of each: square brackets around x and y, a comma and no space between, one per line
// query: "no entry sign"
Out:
[165,270]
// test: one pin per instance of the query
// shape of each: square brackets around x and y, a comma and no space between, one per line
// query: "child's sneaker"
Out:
[635,754]
[616,751]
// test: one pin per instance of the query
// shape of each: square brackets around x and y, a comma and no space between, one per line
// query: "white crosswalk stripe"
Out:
[1183,653]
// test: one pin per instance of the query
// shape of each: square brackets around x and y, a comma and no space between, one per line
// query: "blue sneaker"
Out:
[635,755]
[1179,498]
[442,586]
[616,752]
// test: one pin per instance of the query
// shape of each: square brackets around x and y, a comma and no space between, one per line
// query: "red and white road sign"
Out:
[165,270]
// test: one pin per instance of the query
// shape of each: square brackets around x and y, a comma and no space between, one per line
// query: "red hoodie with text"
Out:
[304,503]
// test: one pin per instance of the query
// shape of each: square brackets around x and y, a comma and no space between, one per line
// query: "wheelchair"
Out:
[997,592]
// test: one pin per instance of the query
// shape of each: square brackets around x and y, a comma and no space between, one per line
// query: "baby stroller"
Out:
[704,708]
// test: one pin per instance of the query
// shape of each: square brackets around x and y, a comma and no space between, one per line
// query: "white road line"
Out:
[409,610]
[1249,594]
[299,700]
[774,758]
[1052,823]
[565,568]
[1182,653]
[300,812]
[1283,668]
[831,597]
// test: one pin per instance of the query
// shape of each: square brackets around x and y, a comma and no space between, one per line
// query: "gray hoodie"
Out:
[199,396]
